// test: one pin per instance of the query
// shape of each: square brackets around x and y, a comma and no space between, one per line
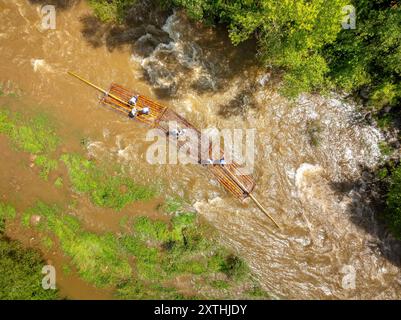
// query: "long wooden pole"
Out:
[99,89]
[232,175]
[253,198]
[263,209]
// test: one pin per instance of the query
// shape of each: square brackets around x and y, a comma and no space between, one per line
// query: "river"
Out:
[329,235]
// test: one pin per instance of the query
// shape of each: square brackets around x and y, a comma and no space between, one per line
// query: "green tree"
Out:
[370,56]
[290,33]
[21,277]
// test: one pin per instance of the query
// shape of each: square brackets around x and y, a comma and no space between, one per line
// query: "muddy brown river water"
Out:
[329,237]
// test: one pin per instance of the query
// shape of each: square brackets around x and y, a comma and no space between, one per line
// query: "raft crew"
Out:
[176,133]
[133,100]
[145,110]
[134,112]
[210,161]
[206,162]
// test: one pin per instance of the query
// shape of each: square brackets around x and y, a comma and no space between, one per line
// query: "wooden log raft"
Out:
[228,175]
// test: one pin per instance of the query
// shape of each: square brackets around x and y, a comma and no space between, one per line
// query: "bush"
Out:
[111,10]
[393,211]
[21,273]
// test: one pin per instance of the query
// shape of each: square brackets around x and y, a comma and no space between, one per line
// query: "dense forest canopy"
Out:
[306,39]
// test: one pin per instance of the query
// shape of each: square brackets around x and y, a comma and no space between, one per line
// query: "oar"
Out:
[252,197]
[263,209]
[99,89]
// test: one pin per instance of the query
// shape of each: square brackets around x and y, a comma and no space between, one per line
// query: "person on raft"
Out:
[176,133]
[133,100]
[210,161]
[134,111]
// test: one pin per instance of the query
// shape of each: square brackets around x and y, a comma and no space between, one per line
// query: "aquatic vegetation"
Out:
[58,182]
[384,121]
[47,242]
[9,89]
[233,267]
[46,164]
[314,129]
[142,262]
[97,258]
[138,290]
[172,205]
[35,136]
[306,41]
[164,251]
[105,189]
[256,292]
[7,212]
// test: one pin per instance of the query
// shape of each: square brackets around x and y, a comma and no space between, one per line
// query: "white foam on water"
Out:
[40,65]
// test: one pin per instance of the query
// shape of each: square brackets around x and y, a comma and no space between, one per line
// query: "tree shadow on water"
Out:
[170,65]
[141,18]
[366,211]
[239,104]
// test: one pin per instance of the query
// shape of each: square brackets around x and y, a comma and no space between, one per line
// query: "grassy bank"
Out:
[146,258]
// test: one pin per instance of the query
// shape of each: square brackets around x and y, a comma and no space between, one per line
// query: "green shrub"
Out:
[111,10]
[393,211]
[234,267]
[385,149]
[21,273]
